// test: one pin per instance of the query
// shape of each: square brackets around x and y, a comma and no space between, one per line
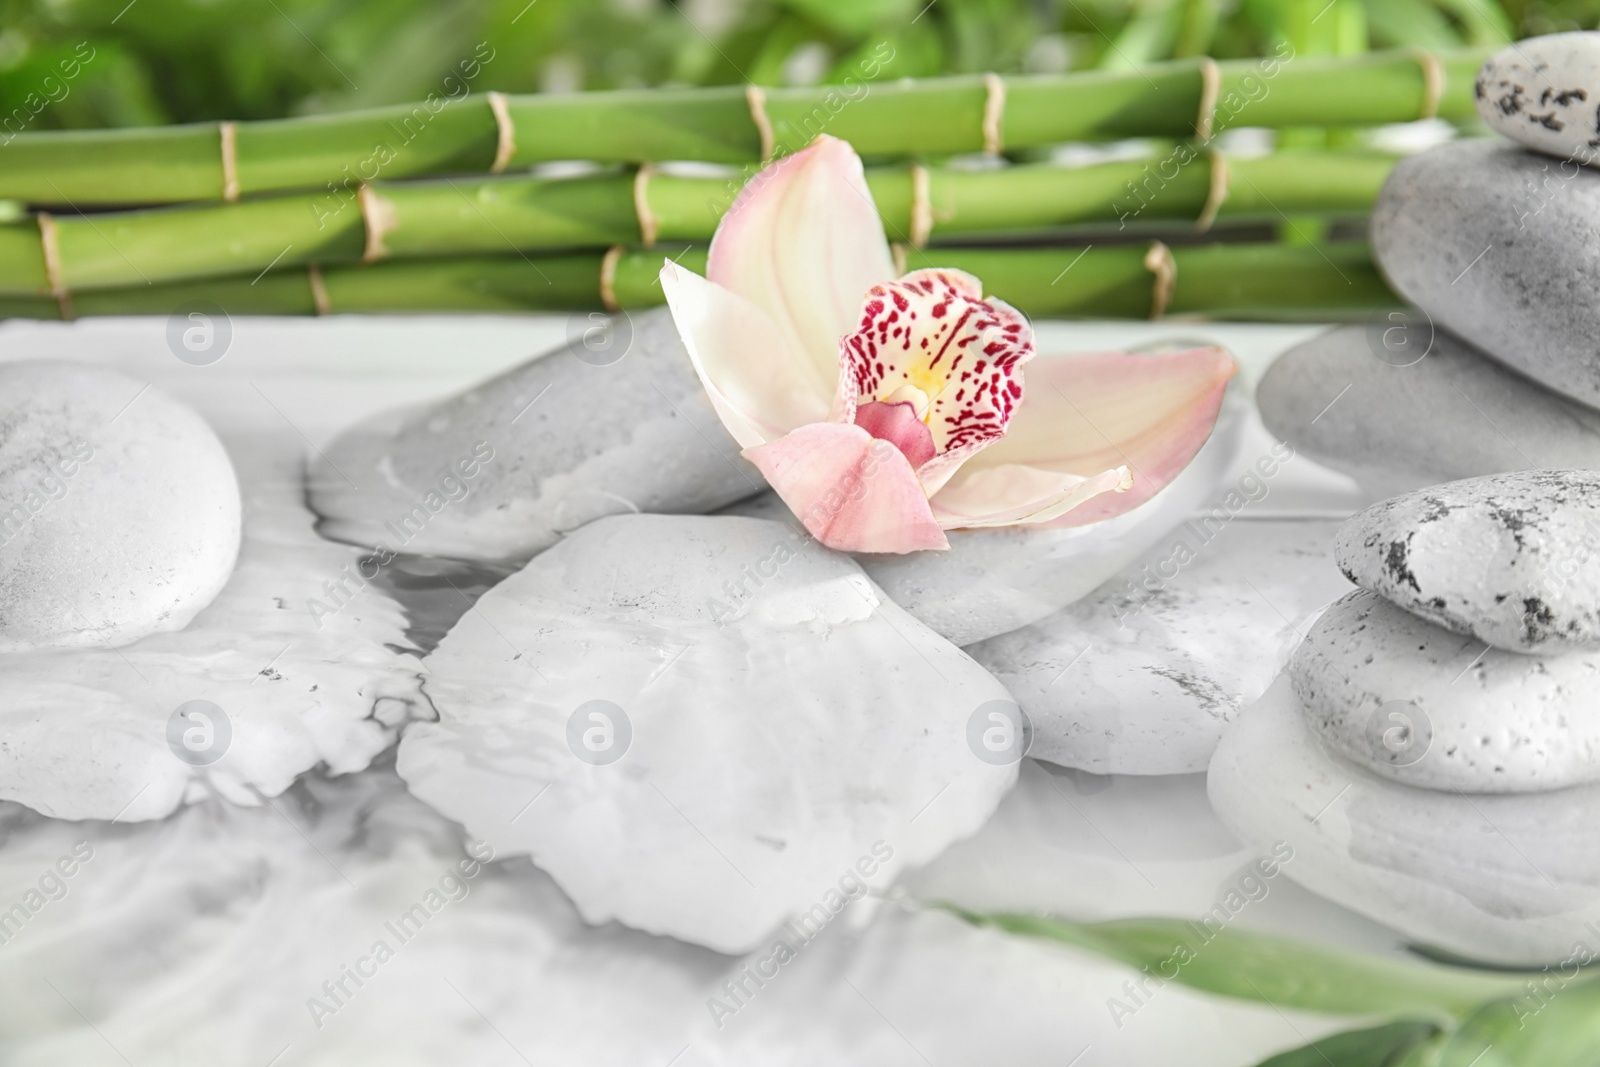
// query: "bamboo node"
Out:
[319,291]
[994,109]
[921,207]
[1217,194]
[505,133]
[228,135]
[380,218]
[1210,89]
[52,265]
[1432,83]
[757,99]
[648,225]
[608,279]
[1159,262]
[898,251]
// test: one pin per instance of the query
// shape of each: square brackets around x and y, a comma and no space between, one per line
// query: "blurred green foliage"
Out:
[82,63]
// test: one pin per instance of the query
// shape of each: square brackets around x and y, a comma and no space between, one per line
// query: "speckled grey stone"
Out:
[1510,559]
[569,438]
[1543,92]
[1452,414]
[1502,246]
[1419,704]
[1503,879]
[1143,675]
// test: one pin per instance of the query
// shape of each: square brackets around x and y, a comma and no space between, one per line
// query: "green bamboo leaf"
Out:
[1264,967]
[1485,20]
[1380,1046]
[1554,1022]
[1414,23]
[858,17]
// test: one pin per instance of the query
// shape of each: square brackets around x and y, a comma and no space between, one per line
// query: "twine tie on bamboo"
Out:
[52,265]
[379,218]
[649,227]
[1159,262]
[757,100]
[897,251]
[1432,83]
[994,110]
[1217,194]
[608,279]
[921,207]
[1210,89]
[505,133]
[228,136]
[319,291]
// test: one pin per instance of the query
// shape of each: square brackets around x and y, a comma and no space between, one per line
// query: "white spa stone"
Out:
[1543,93]
[1502,879]
[504,469]
[119,510]
[1434,709]
[1502,247]
[1509,559]
[1422,408]
[216,935]
[297,676]
[697,724]
[1143,675]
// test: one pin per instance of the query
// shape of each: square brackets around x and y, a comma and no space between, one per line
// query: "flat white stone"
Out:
[774,719]
[503,469]
[1501,246]
[1509,559]
[1429,409]
[119,510]
[296,674]
[1143,675]
[1543,91]
[1434,709]
[992,581]
[1502,879]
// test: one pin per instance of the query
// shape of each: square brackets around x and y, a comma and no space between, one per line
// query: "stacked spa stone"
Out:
[1497,244]
[1433,749]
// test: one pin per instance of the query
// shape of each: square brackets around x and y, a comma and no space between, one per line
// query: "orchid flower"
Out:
[885,411]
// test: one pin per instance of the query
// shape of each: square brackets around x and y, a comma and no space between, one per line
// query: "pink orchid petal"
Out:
[1087,414]
[803,241]
[931,336]
[897,424]
[1012,494]
[853,492]
[759,387]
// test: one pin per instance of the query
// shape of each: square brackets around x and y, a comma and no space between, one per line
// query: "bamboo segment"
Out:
[1234,281]
[882,119]
[466,216]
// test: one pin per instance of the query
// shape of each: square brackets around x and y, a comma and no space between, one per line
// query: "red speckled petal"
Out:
[932,332]
[853,492]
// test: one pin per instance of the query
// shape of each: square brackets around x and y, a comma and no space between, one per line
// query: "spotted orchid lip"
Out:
[817,360]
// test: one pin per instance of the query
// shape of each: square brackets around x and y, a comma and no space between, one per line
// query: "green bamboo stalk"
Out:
[926,118]
[1227,281]
[454,217]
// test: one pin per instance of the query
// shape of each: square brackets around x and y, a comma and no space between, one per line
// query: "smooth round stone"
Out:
[696,725]
[992,581]
[119,510]
[1143,675]
[1502,246]
[1542,92]
[1508,558]
[506,468]
[1395,425]
[1419,704]
[1510,880]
